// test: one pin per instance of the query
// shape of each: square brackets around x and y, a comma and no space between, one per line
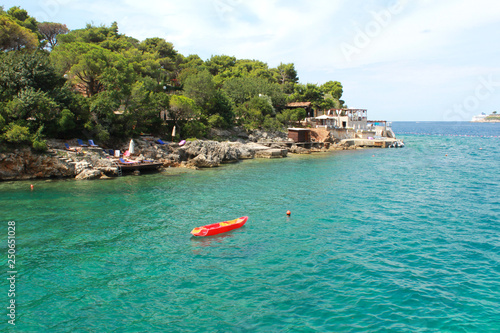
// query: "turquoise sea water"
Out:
[402,240]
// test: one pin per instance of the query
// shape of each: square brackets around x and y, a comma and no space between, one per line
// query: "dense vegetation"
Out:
[98,83]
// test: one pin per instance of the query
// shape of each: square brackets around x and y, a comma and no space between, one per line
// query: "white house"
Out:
[355,119]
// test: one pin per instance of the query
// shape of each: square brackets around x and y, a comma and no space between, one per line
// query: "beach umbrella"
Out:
[131,146]
[323,117]
[173,132]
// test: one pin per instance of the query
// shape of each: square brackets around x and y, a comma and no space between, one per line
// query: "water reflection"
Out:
[209,240]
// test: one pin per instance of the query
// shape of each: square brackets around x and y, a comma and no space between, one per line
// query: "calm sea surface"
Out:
[403,240]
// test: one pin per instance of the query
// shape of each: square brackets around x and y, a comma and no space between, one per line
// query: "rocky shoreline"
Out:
[95,163]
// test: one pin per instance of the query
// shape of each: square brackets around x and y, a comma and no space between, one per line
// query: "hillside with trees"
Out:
[97,83]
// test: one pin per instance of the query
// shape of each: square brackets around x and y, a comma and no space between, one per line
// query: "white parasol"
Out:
[131,147]
[324,117]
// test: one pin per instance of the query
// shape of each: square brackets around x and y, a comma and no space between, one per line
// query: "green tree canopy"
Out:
[291,116]
[13,36]
[256,113]
[181,110]
[158,45]
[20,70]
[220,105]
[200,88]
[192,61]
[91,68]
[218,64]
[22,18]
[190,65]
[334,88]
[108,38]
[16,133]
[33,105]
[245,67]
[286,73]
[142,108]
[308,93]
[50,31]
[263,104]
[33,94]
[164,53]
[242,89]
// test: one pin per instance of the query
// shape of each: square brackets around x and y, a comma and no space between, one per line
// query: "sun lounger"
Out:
[160,142]
[126,162]
[92,144]
[68,147]
[80,142]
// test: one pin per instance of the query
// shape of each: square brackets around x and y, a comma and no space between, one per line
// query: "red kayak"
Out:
[219,228]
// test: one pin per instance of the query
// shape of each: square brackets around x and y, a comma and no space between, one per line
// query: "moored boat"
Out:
[218,228]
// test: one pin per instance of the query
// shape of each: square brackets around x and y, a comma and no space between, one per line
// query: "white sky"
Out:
[400,59]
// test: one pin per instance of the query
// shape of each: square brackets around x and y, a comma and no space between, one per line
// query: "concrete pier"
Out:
[370,143]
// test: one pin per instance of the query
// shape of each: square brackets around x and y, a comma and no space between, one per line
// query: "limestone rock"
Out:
[271,153]
[187,165]
[80,166]
[201,161]
[26,164]
[108,170]
[210,153]
[263,136]
[246,152]
[89,174]
[299,150]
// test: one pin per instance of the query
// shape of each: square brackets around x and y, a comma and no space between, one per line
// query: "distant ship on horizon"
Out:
[480,117]
[484,118]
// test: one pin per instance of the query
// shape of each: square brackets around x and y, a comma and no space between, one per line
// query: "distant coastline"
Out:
[484,118]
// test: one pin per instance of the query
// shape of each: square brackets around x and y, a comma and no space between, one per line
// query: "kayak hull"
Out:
[219,228]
